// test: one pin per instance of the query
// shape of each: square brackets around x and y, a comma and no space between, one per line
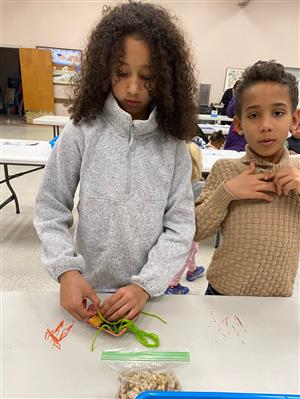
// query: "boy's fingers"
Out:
[281,183]
[267,187]
[287,188]
[250,170]
[269,176]
[263,196]
[286,184]
[264,177]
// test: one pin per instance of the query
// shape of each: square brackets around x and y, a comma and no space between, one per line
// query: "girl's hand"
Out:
[74,291]
[125,302]
[249,185]
[286,179]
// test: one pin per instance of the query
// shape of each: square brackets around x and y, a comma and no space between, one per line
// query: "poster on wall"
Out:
[231,76]
[65,64]
[296,73]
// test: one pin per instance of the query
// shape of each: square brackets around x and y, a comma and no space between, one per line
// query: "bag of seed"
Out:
[148,370]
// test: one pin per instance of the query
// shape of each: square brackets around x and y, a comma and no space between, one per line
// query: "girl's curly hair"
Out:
[170,64]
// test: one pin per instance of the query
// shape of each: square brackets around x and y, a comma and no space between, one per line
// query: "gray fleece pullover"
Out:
[136,208]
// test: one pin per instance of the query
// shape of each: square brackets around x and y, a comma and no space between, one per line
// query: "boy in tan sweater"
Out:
[255,199]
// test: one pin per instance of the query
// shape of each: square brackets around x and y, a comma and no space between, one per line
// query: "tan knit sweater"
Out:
[259,251]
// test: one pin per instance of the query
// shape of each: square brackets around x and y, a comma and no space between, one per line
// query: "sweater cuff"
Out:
[136,282]
[65,265]
[222,197]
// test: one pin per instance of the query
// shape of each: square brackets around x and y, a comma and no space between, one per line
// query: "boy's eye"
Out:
[278,113]
[253,115]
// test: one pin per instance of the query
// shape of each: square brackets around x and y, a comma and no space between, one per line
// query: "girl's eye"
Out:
[121,74]
[146,77]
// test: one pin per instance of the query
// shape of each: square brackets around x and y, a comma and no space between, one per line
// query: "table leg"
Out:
[13,197]
[9,177]
[55,131]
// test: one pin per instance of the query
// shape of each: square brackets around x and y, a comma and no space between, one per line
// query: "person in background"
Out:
[201,138]
[193,271]
[256,198]
[126,145]
[294,140]
[235,139]
[225,100]
[216,141]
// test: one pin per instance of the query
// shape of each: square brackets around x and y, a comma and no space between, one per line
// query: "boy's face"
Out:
[131,79]
[266,118]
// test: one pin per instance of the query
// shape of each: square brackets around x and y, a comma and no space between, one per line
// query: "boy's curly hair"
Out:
[170,64]
[266,71]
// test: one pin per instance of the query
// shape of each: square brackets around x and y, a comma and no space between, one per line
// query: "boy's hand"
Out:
[249,185]
[74,289]
[286,179]
[125,302]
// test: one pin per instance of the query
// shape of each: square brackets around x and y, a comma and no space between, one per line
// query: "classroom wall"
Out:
[221,33]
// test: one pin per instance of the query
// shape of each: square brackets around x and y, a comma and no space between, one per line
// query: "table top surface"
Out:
[25,152]
[60,120]
[237,344]
[51,120]
[209,128]
[34,152]
[219,118]
[210,156]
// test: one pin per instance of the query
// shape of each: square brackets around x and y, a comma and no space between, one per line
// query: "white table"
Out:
[21,152]
[215,119]
[52,120]
[209,128]
[36,153]
[210,156]
[237,344]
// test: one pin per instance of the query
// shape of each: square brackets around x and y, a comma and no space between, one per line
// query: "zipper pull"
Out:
[131,139]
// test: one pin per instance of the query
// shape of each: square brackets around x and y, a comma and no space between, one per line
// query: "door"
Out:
[36,73]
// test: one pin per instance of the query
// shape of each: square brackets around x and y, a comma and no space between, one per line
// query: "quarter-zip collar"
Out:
[122,121]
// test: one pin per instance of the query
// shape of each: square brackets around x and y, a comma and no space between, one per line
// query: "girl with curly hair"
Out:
[126,146]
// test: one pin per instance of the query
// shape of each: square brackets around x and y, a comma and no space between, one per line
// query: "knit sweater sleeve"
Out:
[53,214]
[212,205]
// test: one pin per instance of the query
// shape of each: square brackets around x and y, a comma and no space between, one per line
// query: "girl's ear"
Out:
[237,124]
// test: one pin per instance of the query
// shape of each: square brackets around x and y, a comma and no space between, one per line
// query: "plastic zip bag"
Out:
[142,371]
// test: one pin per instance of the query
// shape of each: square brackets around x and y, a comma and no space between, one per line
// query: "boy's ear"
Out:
[237,124]
[296,119]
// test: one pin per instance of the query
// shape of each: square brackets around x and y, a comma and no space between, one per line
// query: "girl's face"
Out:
[131,79]
[266,118]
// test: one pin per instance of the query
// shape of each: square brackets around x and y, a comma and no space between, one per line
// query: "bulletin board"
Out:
[296,73]
[231,76]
